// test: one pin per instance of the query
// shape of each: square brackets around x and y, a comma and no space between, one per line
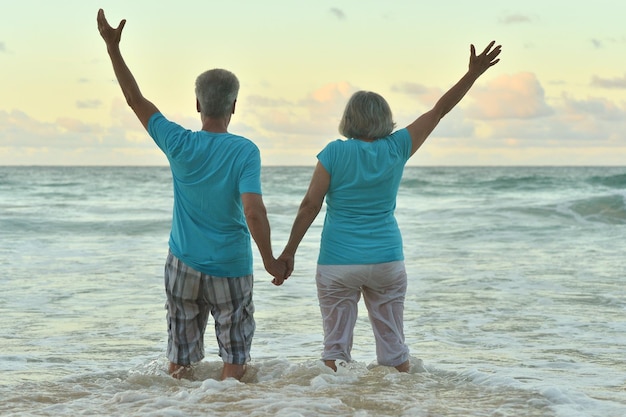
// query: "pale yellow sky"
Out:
[558,97]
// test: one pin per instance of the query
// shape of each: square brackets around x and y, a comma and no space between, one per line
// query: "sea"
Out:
[516,303]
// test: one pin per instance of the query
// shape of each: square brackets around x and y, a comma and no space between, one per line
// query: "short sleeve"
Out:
[326,156]
[402,138]
[251,172]
[163,132]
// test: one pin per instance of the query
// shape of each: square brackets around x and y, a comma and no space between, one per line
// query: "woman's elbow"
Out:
[310,209]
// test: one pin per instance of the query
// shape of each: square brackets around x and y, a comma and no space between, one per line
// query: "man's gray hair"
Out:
[367,116]
[216,91]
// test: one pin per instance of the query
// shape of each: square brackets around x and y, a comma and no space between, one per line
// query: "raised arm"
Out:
[308,211]
[478,64]
[142,107]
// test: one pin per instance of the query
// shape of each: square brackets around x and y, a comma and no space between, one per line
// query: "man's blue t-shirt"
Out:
[360,226]
[210,171]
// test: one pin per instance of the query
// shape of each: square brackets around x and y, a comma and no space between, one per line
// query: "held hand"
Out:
[481,63]
[278,270]
[286,263]
[110,35]
[288,259]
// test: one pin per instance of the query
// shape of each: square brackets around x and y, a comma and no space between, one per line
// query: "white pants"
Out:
[339,288]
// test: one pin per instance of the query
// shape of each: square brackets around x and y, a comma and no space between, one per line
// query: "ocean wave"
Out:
[610,209]
[605,209]
[129,227]
[612,181]
[523,183]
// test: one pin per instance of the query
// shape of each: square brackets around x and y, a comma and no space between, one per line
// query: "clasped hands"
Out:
[280,268]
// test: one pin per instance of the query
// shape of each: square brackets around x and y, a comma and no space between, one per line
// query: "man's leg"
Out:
[180,371]
[187,315]
[234,322]
[231,370]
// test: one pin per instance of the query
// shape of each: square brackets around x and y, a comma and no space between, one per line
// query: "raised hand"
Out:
[110,35]
[481,63]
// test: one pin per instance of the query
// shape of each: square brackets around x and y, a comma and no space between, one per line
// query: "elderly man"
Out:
[217,206]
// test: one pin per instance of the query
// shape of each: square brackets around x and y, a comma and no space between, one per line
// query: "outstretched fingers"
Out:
[103,24]
[494,54]
[491,54]
[489,47]
[108,33]
[486,59]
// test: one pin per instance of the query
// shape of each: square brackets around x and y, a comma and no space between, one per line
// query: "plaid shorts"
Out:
[191,296]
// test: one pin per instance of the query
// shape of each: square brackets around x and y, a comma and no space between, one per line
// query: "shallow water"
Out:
[516,302]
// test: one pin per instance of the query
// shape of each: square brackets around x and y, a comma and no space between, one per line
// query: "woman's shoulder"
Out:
[400,134]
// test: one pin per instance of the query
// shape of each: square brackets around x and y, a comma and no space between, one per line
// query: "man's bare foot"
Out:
[404,367]
[180,371]
[331,364]
[231,370]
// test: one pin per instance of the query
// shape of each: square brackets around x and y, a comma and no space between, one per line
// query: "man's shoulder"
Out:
[158,121]
[241,141]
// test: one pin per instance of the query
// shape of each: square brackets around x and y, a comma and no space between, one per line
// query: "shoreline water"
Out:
[516,299]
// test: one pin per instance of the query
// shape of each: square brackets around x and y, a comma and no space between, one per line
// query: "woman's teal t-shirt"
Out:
[360,226]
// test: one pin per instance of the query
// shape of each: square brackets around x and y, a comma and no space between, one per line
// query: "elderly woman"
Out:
[361,245]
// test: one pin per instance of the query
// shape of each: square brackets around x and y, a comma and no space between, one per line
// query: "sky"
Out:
[557,97]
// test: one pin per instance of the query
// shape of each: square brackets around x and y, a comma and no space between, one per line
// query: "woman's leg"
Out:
[338,299]
[384,298]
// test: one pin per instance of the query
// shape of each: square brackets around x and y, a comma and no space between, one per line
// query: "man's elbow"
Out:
[254,214]
[131,100]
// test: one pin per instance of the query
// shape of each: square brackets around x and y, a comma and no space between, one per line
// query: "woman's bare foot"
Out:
[331,364]
[404,367]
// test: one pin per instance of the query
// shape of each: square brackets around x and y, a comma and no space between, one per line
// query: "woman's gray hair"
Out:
[216,91]
[367,116]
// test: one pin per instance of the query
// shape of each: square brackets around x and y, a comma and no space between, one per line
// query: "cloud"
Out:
[125,119]
[504,115]
[518,96]
[330,93]
[338,13]
[610,83]
[593,123]
[607,41]
[262,101]
[313,114]
[594,107]
[597,44]
[89,104]
[425,95]
[25,140]
[18,129]
[409,88]
[2,47]
[512,111]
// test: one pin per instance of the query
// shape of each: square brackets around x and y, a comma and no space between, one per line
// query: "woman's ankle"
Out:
[331,364]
